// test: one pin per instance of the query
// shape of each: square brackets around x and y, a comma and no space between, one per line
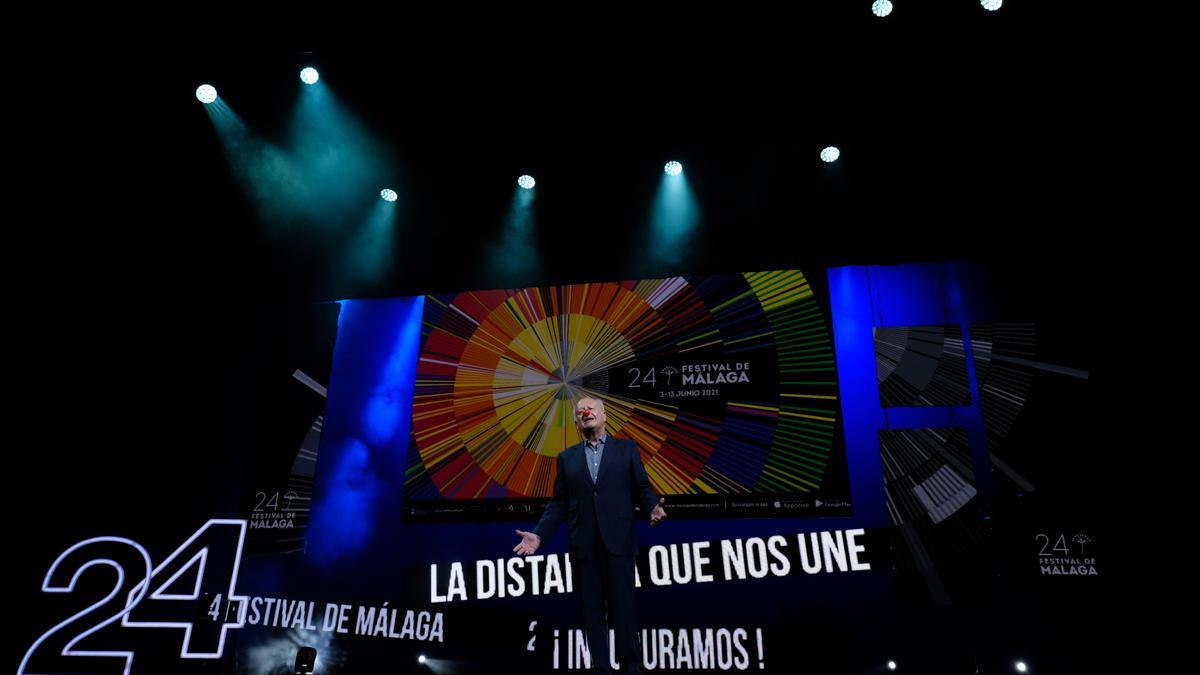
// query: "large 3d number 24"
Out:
[184,591]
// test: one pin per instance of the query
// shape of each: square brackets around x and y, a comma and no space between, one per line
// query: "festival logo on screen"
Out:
[726,383]
[1060,554]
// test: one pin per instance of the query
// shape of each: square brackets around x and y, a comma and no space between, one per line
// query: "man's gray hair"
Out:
[581,399]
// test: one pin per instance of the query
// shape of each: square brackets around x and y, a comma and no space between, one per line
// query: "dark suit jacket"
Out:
[606,504]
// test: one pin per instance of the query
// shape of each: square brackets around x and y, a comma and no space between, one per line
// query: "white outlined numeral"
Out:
[202,638]
[56,582]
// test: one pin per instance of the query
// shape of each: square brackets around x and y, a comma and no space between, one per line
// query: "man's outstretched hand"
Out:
[658,513]
[529,543]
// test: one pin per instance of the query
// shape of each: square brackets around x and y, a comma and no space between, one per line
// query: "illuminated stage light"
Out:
[673,168]
[388,195]
[881,8]
[309,75]
[526,182]
[830,154]
[206,93]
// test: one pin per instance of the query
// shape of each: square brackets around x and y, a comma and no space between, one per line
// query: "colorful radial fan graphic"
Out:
[726,383]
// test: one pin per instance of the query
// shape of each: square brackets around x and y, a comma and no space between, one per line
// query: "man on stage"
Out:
[599,481]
